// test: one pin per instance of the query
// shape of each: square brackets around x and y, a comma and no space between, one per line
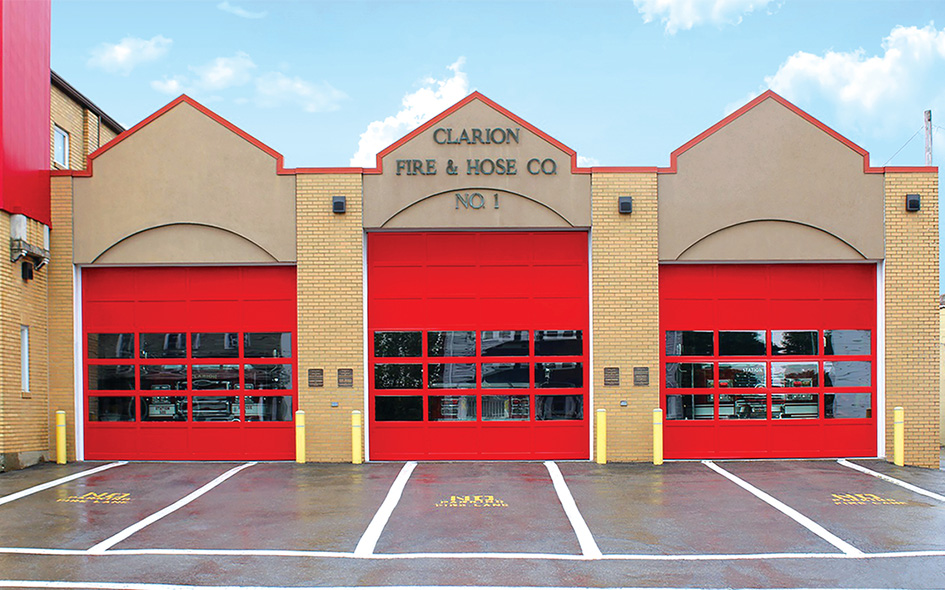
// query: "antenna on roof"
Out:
[928,138]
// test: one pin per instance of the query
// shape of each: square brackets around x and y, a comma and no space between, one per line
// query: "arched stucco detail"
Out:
[770,239]
[185,243]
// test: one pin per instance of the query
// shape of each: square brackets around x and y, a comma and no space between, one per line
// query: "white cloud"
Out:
[433,97]
[124,56]
[884,92]
[585,162]
[686,14]
[173,85]
[218,74]
[275,89]
[241,12]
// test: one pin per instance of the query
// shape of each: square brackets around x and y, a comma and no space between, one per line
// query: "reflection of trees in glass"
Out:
[394,344]
[451,343]
[391,376]
[742,343]
[794,343]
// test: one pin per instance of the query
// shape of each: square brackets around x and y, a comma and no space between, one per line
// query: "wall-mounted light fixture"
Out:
[913,203]
[338,204]
[625,205]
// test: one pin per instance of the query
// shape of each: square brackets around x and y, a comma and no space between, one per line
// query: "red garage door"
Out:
[189,363]
[768,360]
[478,345]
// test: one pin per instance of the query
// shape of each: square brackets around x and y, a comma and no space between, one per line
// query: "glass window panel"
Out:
[111,346]
[505,343]
[114,377]
[743,406]
[795,375]
[847,373]
[398,408]
[742,343]
[216,345]
[163,345]
[505,375]
[848,405]
[267,345]
[559,407]
[451,408]
[794,406]
[450,344]
[163,377]
[220,376]
[111,409]
[397,376]
[689,375]
[690,407]
[559,342]
[505,407]
[851,342]
[164,408]
[395,344]
[742,375]
[688,343]
[268,408]
[559,375]
[216,408]
[794,342]
[452,376]
[268,376]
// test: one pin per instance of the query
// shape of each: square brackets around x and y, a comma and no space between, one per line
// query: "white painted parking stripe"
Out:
[368,541]
[56,482]
[893,480]
[118,538]
[589,547]
[787,510]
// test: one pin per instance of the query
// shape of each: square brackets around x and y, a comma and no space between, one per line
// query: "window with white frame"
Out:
[60,146]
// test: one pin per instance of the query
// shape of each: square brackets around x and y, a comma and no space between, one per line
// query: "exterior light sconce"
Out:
[338,205]
[625,205]
[913,203]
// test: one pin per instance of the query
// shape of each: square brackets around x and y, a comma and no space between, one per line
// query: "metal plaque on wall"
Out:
[611,376]
[316,377]
[345,377]
[641,376]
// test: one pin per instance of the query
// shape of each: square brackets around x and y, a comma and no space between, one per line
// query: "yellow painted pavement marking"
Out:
[477,501]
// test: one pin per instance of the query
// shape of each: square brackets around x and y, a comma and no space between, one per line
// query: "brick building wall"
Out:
[625,308]
[69,116]
[912,330]
[330,310]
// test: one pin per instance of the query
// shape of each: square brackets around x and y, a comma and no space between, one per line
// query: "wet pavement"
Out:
[763,524]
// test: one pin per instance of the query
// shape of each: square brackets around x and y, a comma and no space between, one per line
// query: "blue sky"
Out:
[624,83]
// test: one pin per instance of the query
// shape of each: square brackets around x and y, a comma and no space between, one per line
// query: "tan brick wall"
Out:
[23,415]
[330,310]
[912,330]
[68,116]
[625,283]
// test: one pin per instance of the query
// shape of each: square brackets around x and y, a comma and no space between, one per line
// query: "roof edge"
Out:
[70,91]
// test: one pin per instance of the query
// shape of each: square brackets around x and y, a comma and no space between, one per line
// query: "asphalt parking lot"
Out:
[765,524]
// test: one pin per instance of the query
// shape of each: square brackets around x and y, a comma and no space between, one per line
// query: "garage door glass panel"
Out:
[742,343]
[216,377]
[505,407]
[216,408]
[795,375]
[689,407]
[505,375]
[742,375]
[111,409]
[268,408]
[163,345]
[688,375]
[216,345]
[549,375]
[163,377]
[689,343]
[559,343]
[505,343]
[847,342]
[397,344]
[111,346]
[267,345]
[164,408]
[847,374]
[848,405]
[398,376]
[111,377]
[743,406]
[449,344]
[268,376]
[398,408]
[452,408]
[452,376]
[796,343]
[792,406]
[559,407]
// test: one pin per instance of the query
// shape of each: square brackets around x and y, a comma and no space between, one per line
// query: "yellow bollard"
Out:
[657,436]
[899,436]
[300,437]
[356,437]
[602,436]
[60,437]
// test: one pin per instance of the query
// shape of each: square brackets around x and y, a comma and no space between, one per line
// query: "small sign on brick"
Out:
[611,376]
[345,377]
[641,376]
[316,378]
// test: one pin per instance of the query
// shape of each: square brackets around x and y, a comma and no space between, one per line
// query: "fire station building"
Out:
[479,296]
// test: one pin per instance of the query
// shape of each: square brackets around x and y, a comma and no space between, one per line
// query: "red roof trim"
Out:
[379,169]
